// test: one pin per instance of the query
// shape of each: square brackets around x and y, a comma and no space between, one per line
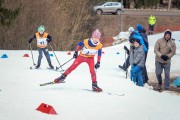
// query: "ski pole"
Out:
[32,54]
[126,65]
[56,57]
[64,63]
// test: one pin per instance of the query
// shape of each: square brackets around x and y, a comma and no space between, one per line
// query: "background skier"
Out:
[43,39]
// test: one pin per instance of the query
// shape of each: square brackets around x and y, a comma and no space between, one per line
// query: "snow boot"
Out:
[122,67]
[60,79]
[95,87]
[159,87]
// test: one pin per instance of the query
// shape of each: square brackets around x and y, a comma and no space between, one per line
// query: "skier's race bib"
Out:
[89,51]
[42,42]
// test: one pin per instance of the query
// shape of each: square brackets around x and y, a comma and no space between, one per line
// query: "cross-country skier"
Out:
[88,49]
[43,39]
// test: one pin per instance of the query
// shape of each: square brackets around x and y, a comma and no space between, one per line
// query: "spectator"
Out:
[152,22]
[137,60]
[165,48]
[143,34]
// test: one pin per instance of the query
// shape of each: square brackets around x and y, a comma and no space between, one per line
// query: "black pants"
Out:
[126,63]
[151,29]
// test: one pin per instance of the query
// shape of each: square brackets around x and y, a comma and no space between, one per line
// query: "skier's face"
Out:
[95,40]
[40,32]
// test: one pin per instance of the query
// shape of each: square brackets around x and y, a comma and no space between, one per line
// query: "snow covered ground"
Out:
[21,94]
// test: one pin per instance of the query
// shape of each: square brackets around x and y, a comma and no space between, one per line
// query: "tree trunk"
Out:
[169,5]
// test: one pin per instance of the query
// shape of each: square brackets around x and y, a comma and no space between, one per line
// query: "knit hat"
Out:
[168,32]
[96,34]
[130,29]
[137,40]
[139,27]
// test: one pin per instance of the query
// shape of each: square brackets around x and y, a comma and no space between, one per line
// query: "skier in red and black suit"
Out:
[88,49]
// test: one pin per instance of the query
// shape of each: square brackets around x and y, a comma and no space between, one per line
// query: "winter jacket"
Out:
[152,20]
[145,38]
[137,56]
[164,47]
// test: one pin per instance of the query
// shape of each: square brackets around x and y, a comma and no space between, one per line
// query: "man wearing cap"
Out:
[165,48]
[88,49]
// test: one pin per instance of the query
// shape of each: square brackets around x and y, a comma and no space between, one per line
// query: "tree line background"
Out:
[67,21]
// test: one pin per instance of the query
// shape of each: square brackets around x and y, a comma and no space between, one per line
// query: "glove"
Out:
[29,41]
[75,54]
[164,57]
[97,65]
[134,64]
[127,50]
[48,41]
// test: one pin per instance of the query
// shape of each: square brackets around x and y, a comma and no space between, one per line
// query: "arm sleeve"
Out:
[79,46]
[49,38]
[173,50]
[99,55]
[156,49]
[32,38]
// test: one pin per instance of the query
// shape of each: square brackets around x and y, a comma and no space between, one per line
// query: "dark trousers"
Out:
[144,71]
[126,63]
[159,70]
[151,29]
[46,53]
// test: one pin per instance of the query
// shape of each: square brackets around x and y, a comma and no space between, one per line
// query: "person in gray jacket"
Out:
[165,48]
[137,61]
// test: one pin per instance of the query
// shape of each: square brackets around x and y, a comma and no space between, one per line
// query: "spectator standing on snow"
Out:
[126,63]
[88,49]
[137,60]
[165,49]
[43,39]
[143,34]
[152,22]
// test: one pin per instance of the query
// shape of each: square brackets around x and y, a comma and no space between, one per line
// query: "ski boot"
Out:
[95,87]
[37,66]
[60,79]
[51,66]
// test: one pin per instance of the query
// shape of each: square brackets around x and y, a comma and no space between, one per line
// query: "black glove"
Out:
[164,57]
[134,64]
[97,65]
[75,54]
[30,41]
[126,49]
[48,40]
